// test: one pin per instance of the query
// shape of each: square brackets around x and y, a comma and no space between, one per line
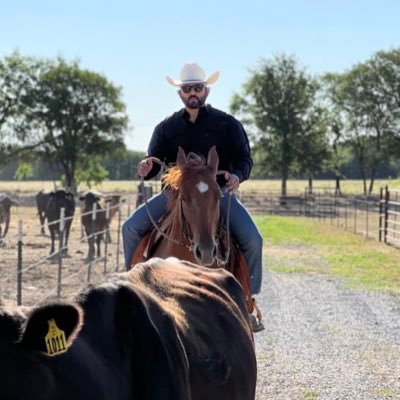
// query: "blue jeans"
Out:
[242,227]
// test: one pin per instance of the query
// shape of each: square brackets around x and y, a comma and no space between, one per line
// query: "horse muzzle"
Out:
[205,254]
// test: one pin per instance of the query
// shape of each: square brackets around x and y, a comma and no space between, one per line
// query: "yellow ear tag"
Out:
[55,339]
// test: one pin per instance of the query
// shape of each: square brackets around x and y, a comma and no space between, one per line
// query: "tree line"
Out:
[60,120]
[305,126]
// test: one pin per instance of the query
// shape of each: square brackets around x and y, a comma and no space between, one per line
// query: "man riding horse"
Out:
[196,128]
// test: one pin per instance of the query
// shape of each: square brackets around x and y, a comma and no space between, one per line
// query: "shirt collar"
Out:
[185,115]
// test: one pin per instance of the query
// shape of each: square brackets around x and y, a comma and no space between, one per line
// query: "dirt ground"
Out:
[39,273]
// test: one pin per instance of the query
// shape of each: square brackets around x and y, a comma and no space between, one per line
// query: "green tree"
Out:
[366,115]
[18,75]
[76,117]
[280,107]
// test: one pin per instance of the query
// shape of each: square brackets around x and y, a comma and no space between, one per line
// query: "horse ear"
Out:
[212,159]
[181,157]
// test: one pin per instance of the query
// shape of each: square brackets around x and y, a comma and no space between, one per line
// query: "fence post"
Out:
[380,213]
[129,205]
[367,219]
[107,236]
[355,216]
[19,264]
[91,240]
[345,213]
[387,198]
[337,201]
[118,236]
[60,249]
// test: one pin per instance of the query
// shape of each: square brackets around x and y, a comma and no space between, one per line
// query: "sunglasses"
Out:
[197,88]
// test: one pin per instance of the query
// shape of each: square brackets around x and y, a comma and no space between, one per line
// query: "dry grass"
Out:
[39,278]
[348,186]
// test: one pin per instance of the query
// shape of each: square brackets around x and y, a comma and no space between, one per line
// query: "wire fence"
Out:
[63,273]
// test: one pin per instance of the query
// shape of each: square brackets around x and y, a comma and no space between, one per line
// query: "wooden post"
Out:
[19,264]
[60,249]
[387,198]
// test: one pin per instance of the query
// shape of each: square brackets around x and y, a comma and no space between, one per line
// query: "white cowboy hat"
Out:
[192,73]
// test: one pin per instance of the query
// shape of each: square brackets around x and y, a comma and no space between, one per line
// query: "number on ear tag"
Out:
[55,339]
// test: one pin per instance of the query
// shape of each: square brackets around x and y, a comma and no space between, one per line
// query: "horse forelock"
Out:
[174,176]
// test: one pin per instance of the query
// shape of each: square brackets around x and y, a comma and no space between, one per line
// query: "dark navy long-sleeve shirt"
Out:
[211,127]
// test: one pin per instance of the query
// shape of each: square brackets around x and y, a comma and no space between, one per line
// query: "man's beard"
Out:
[194,102]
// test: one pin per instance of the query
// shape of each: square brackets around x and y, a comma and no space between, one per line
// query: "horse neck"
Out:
[174,219]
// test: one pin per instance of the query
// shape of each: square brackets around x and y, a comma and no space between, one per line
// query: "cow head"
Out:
[89,198]
[31,340]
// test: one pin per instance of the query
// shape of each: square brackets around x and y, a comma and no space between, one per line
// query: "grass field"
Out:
[316,247]
[348,186]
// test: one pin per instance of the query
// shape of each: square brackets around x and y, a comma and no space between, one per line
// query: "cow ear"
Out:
[52,328]
[212,159]
[181,158]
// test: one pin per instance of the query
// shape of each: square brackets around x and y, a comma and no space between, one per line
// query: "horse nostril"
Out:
[197,252]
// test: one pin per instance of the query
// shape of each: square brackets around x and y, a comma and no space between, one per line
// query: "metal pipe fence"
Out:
[389,221]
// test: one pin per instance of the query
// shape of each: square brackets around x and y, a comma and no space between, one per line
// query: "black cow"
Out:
[146,335]
[60,198]
[94,228]
[5,213]
[42,200]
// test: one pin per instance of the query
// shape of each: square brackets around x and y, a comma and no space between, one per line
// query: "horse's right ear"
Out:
[181,157]
[212,159]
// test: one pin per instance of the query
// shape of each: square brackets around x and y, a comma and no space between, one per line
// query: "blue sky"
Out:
[136,44]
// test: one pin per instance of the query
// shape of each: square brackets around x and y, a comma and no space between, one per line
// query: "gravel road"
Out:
[325,341]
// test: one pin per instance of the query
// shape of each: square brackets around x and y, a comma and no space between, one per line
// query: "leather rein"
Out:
[186,231]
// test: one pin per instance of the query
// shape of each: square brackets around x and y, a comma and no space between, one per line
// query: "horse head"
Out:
[196,202]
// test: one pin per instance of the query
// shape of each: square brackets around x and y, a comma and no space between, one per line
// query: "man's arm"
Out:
[241,156]
[156,148]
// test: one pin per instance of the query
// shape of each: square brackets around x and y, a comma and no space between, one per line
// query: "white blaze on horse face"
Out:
[202,187]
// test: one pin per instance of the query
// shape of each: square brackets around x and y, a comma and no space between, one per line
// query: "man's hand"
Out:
[144,167]
[232,182]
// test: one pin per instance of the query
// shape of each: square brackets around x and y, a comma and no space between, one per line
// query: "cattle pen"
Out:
[32,275]
[27,250]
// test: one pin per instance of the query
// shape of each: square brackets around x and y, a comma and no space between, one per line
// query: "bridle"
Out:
[186,233]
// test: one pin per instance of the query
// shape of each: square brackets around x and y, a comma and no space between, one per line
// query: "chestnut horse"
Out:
[192,229]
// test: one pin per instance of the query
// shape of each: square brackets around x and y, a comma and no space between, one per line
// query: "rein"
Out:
[179,243]
[187,236]
[223,262]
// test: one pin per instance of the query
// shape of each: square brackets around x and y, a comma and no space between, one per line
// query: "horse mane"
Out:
[174,176]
